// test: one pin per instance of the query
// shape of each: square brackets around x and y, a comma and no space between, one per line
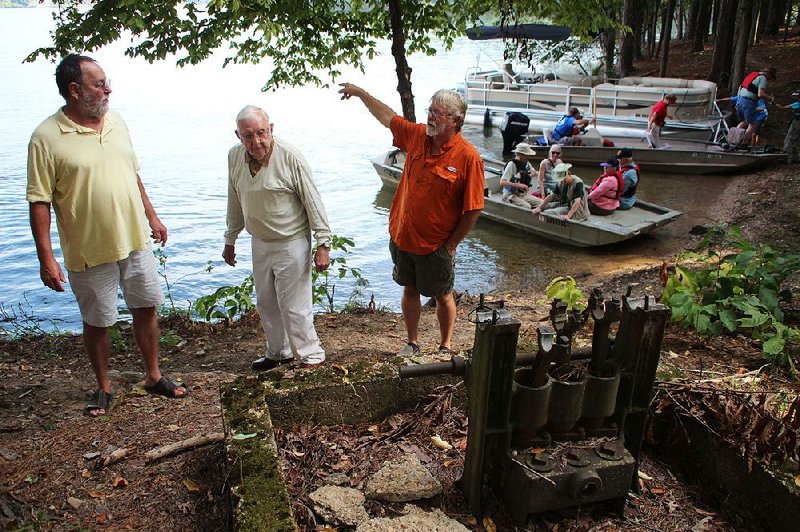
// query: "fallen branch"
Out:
[113,457]
[178,447]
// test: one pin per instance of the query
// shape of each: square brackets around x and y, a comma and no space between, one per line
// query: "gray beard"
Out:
[95,110]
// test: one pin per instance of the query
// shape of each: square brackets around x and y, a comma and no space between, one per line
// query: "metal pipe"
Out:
[456,366]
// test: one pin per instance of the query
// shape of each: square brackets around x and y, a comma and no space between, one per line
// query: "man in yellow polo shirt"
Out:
[82,162]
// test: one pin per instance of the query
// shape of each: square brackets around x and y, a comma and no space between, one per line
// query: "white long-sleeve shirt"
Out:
[280,203]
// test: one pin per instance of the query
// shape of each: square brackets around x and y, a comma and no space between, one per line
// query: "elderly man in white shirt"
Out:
[271,194]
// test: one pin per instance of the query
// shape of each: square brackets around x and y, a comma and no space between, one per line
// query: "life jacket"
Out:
[563,127]
[747,82]
[631,191]
[615,194]
[521,175]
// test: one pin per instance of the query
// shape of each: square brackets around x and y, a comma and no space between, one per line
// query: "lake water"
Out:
[182,124]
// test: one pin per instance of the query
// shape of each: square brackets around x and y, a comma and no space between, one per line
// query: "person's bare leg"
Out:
[412,309]
[97,343]
[145,330]
[446,314]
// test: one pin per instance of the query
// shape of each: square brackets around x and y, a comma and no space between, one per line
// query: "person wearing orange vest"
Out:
[438,200]
[606,191]
[753,87]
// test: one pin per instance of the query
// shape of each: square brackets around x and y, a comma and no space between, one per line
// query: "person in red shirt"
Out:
[658,115]
[438,200]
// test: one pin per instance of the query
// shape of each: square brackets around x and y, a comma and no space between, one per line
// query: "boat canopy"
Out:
[538,32]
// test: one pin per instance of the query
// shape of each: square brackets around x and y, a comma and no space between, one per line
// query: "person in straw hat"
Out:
[517,177]
[568,199]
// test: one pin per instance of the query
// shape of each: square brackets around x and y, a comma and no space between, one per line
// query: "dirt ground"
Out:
[46,482]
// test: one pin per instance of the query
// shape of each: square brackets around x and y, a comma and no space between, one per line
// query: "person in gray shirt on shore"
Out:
[272,194]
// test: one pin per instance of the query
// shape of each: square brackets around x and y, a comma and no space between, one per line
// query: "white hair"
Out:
[453,102]
[251,112]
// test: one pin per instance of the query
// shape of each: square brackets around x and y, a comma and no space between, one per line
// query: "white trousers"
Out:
[282,278]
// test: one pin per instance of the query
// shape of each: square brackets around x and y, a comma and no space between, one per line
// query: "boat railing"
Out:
[603,100]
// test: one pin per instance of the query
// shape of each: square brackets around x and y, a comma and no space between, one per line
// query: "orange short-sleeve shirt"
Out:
[434,190]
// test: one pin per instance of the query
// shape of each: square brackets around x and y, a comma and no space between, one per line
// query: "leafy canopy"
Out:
[304,39]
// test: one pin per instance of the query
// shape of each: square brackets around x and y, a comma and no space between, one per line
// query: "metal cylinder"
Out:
[529,406]
[566,405]
[600,400]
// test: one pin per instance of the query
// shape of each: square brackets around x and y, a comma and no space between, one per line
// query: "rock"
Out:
[75,502]
[91,455]
[339,506]
[416,519]
[403,479]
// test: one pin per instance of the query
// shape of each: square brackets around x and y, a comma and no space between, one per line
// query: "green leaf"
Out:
[774,346]
[240,436]
[728,319]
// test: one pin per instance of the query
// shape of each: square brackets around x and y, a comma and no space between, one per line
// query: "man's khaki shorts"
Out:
[432,274]
[96,288]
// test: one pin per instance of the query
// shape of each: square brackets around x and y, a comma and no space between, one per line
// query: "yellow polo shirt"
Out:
[90,178]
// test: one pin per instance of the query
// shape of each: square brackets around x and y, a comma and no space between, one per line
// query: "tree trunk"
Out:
[762,19]
[653,28]
[692,22]
[666,36]
[723,40]
[717,5]
[400,60]
[609,40]
[744,22]
[703,19]
[679,19]
[639,32]
[630,17]
[774,17]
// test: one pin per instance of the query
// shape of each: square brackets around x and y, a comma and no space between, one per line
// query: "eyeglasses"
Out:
[436,114]
[555,153]
[104,84]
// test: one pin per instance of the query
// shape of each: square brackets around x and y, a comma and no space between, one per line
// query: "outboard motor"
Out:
[514,128]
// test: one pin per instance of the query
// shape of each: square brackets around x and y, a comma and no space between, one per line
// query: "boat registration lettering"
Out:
[706,155]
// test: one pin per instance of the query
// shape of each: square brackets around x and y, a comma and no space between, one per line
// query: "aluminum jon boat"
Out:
[596,231]
[679,156]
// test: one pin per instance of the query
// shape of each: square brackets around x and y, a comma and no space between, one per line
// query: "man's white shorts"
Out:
[96,288]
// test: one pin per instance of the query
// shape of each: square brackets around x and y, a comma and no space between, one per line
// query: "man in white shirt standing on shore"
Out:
[271,194]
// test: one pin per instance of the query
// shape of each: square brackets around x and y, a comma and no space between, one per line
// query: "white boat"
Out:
[619,107]
[595,231]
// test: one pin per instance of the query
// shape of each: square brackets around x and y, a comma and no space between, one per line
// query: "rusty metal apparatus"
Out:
[560,427]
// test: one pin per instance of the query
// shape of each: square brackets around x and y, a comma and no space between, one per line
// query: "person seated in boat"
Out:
[630,177]
[605,193]
[568,199]
[517,177]
[658,115]
[567,128]
[753,87]
[547,182]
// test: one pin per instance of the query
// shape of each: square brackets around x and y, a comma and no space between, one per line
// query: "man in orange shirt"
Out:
[438,200]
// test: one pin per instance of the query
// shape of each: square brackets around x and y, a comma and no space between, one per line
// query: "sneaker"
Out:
[309,365]
[444,350]
[266,364]
[410,350]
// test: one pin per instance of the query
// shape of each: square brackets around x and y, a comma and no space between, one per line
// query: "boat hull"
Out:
[682,157]
[597,231]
